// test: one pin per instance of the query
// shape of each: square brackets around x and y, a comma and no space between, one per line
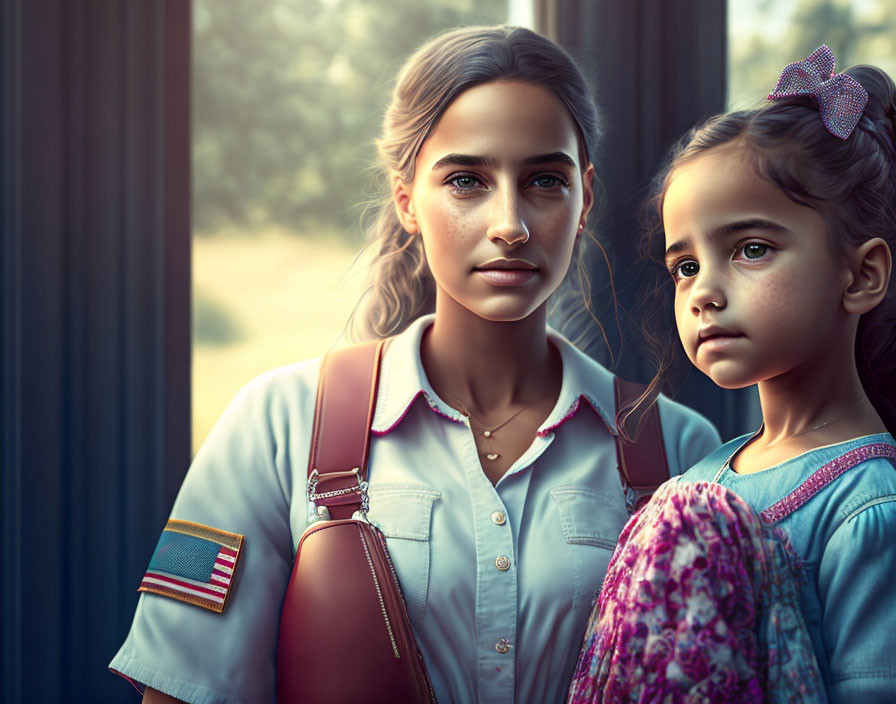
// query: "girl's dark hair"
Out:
[850,182]
[401,287]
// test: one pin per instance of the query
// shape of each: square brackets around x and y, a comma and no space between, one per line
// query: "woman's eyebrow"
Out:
[465,160]
[553,157]
[731,228]
[473,160]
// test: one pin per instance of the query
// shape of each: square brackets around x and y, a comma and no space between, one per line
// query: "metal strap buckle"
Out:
[360,488]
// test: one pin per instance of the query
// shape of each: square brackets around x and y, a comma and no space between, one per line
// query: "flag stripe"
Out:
[149,583]
[211,589]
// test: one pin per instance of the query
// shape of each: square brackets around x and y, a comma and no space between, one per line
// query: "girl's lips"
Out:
[506,277]
[717,343]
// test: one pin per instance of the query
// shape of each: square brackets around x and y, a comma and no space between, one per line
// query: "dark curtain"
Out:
[657,68]
[95,327]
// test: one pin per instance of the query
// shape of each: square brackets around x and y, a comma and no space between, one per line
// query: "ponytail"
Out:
[876,336]
[401,286]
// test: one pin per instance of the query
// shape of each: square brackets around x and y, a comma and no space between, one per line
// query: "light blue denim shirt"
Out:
[487,634]
[846,537]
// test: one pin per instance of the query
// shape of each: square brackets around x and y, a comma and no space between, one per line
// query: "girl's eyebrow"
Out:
[490,162]
[729,229]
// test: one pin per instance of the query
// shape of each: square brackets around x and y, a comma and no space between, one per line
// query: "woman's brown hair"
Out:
[401,287]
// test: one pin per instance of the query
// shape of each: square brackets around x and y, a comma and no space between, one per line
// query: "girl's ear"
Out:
[587,195]
[870,265]
[404,205]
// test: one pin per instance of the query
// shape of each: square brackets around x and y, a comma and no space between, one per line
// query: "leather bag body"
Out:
[345,635]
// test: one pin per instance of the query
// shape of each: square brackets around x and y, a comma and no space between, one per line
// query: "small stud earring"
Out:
[581,226]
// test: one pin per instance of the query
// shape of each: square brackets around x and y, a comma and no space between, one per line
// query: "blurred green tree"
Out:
[288,97]
[766,35]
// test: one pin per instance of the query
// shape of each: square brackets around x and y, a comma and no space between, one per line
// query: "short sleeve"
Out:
[687,435]
[241,481]
[857,588]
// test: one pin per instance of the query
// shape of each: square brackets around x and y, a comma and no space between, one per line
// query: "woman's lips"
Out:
[506,277]
[507,272]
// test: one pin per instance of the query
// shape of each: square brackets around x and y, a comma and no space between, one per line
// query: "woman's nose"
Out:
[706,294]
[507,222]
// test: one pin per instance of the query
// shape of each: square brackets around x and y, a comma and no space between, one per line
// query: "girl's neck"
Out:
[818,404]
[822,397]
[485,365]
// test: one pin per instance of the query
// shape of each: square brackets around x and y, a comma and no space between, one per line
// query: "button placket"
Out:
[497,600]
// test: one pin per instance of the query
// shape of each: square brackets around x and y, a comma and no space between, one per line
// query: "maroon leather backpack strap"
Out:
[643,463]
[340,439]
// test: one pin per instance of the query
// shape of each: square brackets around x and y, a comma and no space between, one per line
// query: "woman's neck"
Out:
[485,365]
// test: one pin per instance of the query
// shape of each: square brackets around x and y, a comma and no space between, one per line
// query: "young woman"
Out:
[780,228]
[493,466]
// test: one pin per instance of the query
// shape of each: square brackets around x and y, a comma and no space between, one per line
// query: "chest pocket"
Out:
[403,512]
[591,522]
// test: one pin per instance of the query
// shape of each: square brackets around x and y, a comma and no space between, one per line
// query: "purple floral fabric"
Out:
[700,604]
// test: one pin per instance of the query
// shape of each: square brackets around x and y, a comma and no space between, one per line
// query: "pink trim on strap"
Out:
[824,476]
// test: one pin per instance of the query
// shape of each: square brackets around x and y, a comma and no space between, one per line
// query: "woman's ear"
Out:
[587,195]
[404,205]
[870,265]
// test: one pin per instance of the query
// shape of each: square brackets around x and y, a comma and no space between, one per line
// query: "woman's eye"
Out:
[549,181]
[685,269]
[754,250]
[464,182]
[546,181]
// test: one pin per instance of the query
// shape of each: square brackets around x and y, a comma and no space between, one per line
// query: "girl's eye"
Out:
[465,182]
[685,269]
[754,250]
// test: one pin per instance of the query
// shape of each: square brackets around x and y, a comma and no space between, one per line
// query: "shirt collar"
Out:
[402,380]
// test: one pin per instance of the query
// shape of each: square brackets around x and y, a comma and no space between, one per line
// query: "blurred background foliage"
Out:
[765,35]
[288,97]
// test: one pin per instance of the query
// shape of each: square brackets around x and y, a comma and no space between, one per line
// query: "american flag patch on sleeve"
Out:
[193,563]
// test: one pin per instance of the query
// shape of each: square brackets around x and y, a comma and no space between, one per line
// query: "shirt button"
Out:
[503,645]
[502,563]
[498,518]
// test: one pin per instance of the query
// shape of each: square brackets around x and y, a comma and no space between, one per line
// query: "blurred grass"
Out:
[262,300]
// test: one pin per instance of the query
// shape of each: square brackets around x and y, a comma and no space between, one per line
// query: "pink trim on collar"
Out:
[571,411]
[429,402]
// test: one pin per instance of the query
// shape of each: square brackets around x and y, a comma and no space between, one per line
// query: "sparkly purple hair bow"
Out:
[841,98]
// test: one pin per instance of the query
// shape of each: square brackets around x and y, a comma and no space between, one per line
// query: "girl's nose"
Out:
[507,221]
[706,294]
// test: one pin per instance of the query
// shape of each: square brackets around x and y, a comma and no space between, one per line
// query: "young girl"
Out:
[780,225]
[492,466]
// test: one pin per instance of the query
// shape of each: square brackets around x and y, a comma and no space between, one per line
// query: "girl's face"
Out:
[498,196]
[758,289]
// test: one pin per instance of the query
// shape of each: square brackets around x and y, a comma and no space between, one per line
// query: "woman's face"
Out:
[498,196]
[758,289]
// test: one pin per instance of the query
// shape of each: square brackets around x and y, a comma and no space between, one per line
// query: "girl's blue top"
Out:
[845,536]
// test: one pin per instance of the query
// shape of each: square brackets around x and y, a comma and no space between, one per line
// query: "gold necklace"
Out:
[489,432]
[828,422]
